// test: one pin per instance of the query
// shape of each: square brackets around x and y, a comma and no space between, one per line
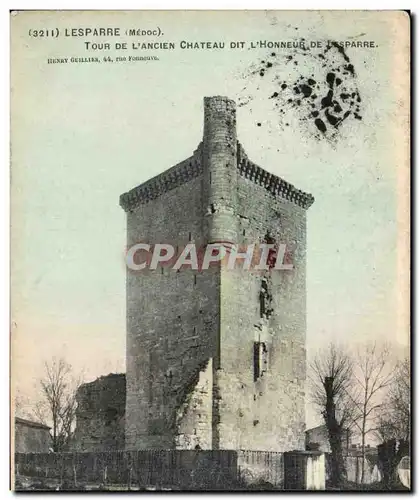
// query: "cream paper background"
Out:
[82,134]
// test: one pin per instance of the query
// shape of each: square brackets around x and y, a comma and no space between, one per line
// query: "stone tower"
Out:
[216,358]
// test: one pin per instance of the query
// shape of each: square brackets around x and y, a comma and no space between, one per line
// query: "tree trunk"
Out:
[338,471]
[362,476]
[55,437]
[364,418]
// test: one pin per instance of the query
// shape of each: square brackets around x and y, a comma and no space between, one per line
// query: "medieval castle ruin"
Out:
[215,358]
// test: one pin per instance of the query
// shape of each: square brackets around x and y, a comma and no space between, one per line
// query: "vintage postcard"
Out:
[210,219]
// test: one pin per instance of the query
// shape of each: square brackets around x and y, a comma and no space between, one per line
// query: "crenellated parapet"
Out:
[273,184]
[219,155]
[170,179]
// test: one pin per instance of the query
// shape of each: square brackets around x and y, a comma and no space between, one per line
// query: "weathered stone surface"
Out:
[193,422]
[193,336]
[31,437]
[100,416]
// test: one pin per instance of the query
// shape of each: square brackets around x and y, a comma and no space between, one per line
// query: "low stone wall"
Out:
[162,469]
[174,469]
[353,468]
[261,467]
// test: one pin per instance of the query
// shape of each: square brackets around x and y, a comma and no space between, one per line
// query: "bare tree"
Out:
[21,406]
[57,404]
[372,376]
[331,380]
[395,413]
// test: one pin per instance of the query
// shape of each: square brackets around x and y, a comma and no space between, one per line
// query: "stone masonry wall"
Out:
[172,320]
[31,437]
[194,416]
[100,414]
[267,412]
[192,336]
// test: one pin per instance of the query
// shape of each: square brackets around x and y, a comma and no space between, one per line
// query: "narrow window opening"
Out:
[265,300]
[256,361]
[260,360]
[195,279]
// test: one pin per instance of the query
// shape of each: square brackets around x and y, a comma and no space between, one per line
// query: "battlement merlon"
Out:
[219,140]
[189,169]
[175,176]
[272,183]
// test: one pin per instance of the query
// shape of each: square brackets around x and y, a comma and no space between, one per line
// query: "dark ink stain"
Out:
[306,90]
[327,100]
[330,79]
[321,125]
[340,49]
[329,89]
[349,68]
[333,120]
